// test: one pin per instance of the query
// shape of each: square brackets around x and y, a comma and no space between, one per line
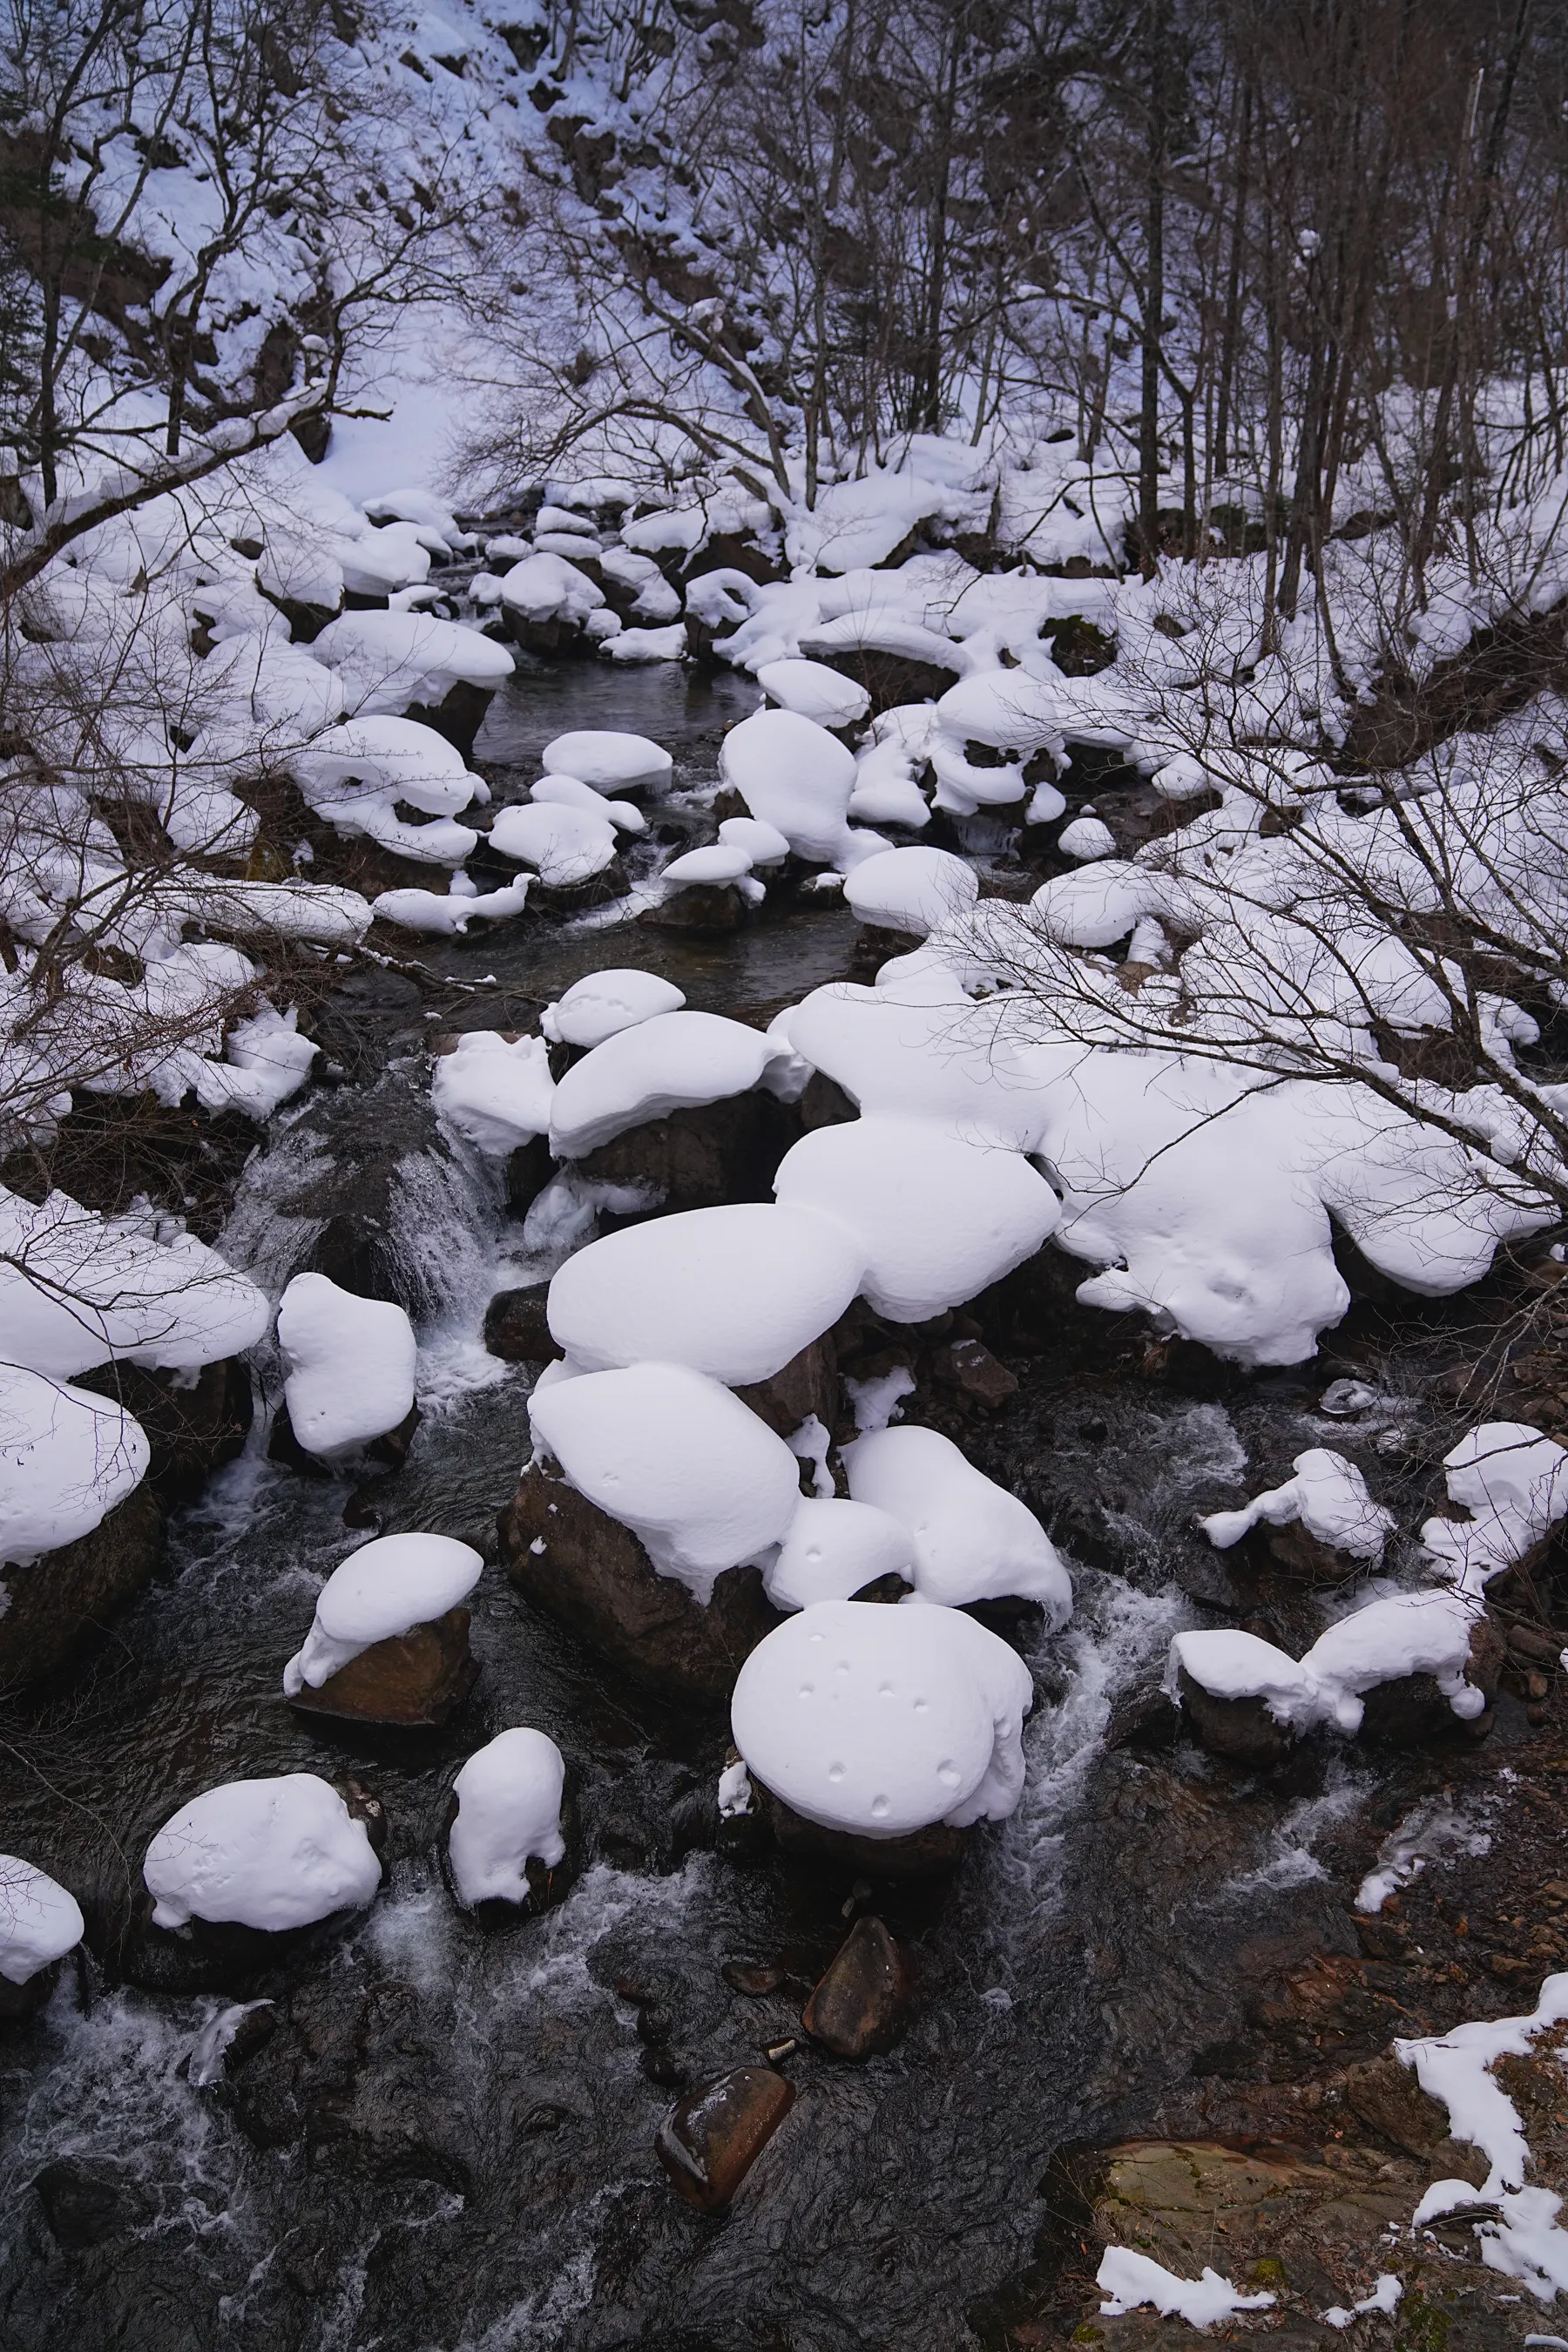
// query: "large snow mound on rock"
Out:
[385,1589]
[911,890]
[494,1090]
[796,776]
[66,1458]
[609,761]
[350,1364]
[509,1809]
[39,1920]
[971,1540]
[834,1549]
[273,1854]
[673,1062]
[605,1002]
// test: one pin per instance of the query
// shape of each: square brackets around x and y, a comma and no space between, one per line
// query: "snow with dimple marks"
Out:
[606,1001]
[911,890]
[972,1541]
[793,775]
[496,1092]
[1132,2280]
[883,1720]
[273,1854]
[509,1811]
[609,761]
[672,1061]
[733,1292]
[66,1458]
[697,1477]
[1326,1497]
[350,1361]
[39,1920]
[833,1550]
[385,1589]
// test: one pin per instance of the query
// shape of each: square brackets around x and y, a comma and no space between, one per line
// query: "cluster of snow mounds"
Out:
[1326,1497]
[350,1365]
[271,1854]
[881,1721]
[1426,1633]
[508,1813]
[40,1922]
[386,1588]
[354,775]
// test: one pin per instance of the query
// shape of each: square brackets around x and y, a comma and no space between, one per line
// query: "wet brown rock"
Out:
[862,2004]
[1302,1554]
[190,1430]
[807,1384]
[924,1853]
[1386,2096]
[1410,1711]
[584,1568]
[23,2000]
[66,1598]
[700,906]
[969,1366]
[413,1682]
[1241,1728]
[753,1978]
[711,2139]
[699,1157]
[516,1329]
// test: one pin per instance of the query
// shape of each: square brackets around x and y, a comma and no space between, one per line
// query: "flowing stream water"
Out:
[448,2143]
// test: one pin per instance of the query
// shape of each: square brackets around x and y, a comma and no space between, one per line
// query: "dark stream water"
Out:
[448,2142]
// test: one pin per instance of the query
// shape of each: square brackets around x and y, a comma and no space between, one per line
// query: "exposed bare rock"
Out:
[711,2138]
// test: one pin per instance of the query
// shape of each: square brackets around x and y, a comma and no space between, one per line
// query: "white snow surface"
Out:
[273,1854]
[1407,1633]
[509,1808]
[699,1480]
[911,890]
[833,1549]
[1230,1664]
[609,761]
[883,1720]
[39,1920]
[733,1292]
[570,792]
[386,1588]
[66,1458]
[717,863]
[604,1002]
[671,1061]
[815,691]
[566,844]
[795,776]
[1131,2280]
[495,1091]
[349,1362]
[385,661]
[1515,1483]
[1328,1496]
[972,1541]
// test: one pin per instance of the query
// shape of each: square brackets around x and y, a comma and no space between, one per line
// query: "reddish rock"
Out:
[414,1681]
[807,1384]
[711,2139]
[862,2004]
[969,1366]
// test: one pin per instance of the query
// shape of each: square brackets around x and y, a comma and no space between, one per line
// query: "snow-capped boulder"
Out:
[718,862]
[273,1854]
[494,1090]
[1087,838]
[880,1723]
[567,845]
[66,1458]
[350,1361]
[508,1798]
[1240,1695]
[939,1218]
[764,844]
[353,776]
[670,1061]
[40,1922]
[835,1548]
[1406,1666]
[911,890]
[908,1058]
[1098,905]
[605,1002]
[971,1540]
[1323,1522]
[674,1456]
[570,792]
[389,1642]
[731,1292]
[1515,1483]
[815,691]
[545,597]
[397,661]
[795,776]
[609,761]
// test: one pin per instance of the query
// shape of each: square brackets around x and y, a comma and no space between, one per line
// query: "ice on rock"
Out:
[77,1290]
[272,1854]
[609,761]
[570,792]
[350,1361]
[972,1539]
[385,1589]
[388,660]
[939,1218]
[1085,838]
[733,1292]
[40,1922]
[718,863]
[815,691]
[764,844]
[671,1061]
[606,1003]
[566,844]
[1408,1633]
[1328,1496]
[497,1093]
[545,587]
[834,1549]
[508,1811]
[912,890]
[795,776]
[1229,1663]
[694,1473]
[883,1721]
[1515,1483]
[66,1458]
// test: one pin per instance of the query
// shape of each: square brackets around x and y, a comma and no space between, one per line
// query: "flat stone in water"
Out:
[711,2139]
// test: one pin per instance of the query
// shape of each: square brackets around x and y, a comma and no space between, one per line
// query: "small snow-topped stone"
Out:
[606,1003]
[834,1549]
[719,862]
[272,1854]
[670,1062]
[1087,838]
[350,1364]
[733,1292]
[610,762]
[764,844]
[570,792]
[699,1480]
[67,1458]
[912,890]
[509,1808]
[1229,1663]
[1408,1633]
[39,1921]
[496,1093]
[385,1589]
[1326,1495]
[795,776]
[939,1218]
[545,587]
[815,691]
[883,1721]
[566,844]
[972,1541]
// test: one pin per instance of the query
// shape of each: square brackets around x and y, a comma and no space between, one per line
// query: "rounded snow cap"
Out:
[39,1921]
[271,1854]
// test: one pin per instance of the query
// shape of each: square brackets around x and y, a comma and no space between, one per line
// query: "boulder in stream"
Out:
[711,2138]
[389,1642]
[861,2004]
[63,1600]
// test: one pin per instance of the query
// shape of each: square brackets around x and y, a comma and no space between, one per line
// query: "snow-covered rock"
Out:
[647,645]
[912,890]
[40,1922]
[609,761]
[795,776]
[545,587]
[385,1589]
[386,755]
[388,660]
[971,1540]
[509,1812]
[271,1854]
[66,1458]
[733,1292]
[570,792]
[1514,1482]
[349,1362]
[497,1093]
[815,691]
[671,1061]
[883,1721]
[764,844]
[674,1456]
[718,863]
[1408,1633]
[1230,1664]
[833,1550]
[1328,1498]
[566,844]
[605,1002]
[1087,838]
